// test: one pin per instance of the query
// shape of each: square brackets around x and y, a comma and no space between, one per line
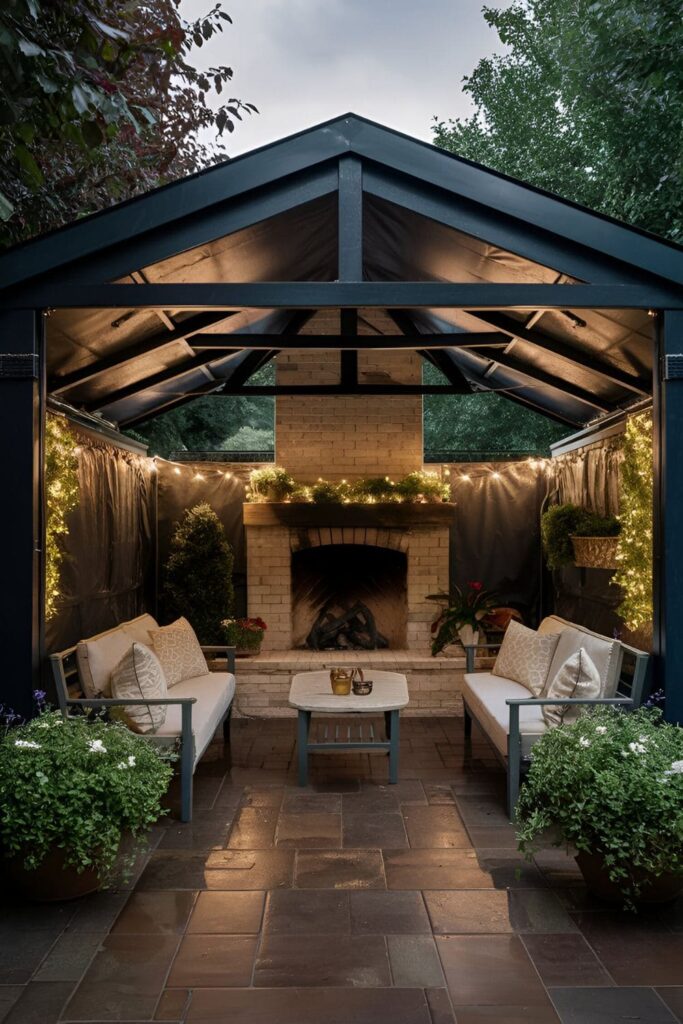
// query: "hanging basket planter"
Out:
[595,552]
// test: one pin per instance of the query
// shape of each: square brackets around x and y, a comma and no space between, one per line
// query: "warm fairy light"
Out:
[465,476]
[176,471]
[198,476]
[227,475]
[78,449]
[496,476]
[634,555]
[446,472]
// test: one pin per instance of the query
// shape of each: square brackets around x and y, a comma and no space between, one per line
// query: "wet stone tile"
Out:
[293,912]
[339,869]
[371,799]
[414,961]
[491,970]
[565,960]
[173,1004]
[124,980]
[373,830]
[253,828]
[155,913]
[482,810]
[327,960]
[309,1006]
[440,1007]
[249,869]
[435,827]
[213,961]
[610,1006]
[227,913]
[673,997]
[69,957]
[262,796]
[22,954]
[40,1003]
[469,912]
[506,1014]
[434,869]
[633,951]
[297,801]
[8,997]
[509,870]
[309,830]
[388,913]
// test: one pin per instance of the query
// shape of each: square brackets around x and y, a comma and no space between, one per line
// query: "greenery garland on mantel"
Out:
[61,490]
[275,484]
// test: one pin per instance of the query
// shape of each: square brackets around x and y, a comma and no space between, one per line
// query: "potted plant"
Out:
[245,635]
[611,785]
[270,483]
[461,615]
[70,790]
[576,536]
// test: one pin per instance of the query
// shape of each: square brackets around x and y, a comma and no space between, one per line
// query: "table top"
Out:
[311,691]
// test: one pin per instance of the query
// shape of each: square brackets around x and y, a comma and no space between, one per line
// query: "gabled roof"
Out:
[272,215]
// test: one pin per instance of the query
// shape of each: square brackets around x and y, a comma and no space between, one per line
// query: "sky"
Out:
[300,62]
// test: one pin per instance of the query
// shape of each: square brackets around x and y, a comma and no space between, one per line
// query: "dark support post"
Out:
[668,497]
[304,725]
[21,515]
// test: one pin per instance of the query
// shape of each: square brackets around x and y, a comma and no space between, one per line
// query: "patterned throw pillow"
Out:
[139,674]
[177,648]
[578,677]
[525,657]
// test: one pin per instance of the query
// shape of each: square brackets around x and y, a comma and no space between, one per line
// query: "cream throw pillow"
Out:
[139,674]
[525,657]
[177,648]
[578,677]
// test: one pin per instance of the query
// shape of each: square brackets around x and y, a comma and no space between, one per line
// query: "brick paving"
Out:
[350,902]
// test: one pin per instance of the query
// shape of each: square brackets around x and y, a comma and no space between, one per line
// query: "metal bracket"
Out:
[673,366]
[19,366]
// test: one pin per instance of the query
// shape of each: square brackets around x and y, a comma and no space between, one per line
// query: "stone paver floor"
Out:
[350,902]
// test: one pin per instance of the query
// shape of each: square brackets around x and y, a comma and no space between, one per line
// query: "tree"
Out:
[101,101]
[198,574]
[587,102]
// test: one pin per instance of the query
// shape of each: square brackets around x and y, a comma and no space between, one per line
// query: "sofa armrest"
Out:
[471,652]
[515,703]
[186,751]
[223,651]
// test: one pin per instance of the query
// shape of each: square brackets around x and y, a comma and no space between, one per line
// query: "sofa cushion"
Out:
[577,678]
[603,653]
[140,628]
[214,692]
[177,648]
[525,657]
[97,657]
[139,675]
[485,695]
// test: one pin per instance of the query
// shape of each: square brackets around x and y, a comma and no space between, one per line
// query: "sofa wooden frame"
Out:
[630,692]
[70,698]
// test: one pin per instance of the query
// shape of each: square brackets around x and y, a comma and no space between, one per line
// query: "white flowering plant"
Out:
[610,784]
[78,785]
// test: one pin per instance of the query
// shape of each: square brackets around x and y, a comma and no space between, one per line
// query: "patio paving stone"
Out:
[388,913]
[294,931]
[227,913]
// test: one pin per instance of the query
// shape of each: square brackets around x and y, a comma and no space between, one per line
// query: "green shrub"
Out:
[198,574]
[560,522]
[77,785]
[612,784]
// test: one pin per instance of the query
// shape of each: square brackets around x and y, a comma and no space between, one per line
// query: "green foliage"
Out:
[244,634]
[487,425]
[560,522]
[586,102]
[198,573]
[214,424]
[100,102]
[272,483]
[61,489]
[634,557]
[611,783]
[77,785]
[459,608]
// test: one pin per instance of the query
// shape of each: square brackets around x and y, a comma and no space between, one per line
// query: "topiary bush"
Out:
[198,574]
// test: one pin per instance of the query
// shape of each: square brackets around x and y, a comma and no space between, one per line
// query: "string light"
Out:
[176,471]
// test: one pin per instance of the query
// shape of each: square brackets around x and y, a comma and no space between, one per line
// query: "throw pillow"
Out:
[578,677]
[177,648]
[139,674]
[525,657]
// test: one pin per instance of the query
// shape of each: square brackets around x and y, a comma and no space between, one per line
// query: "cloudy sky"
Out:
[303,61]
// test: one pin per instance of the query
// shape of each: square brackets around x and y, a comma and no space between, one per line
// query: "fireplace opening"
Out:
[349,597]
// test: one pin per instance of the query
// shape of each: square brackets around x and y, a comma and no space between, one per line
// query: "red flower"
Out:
[475,585]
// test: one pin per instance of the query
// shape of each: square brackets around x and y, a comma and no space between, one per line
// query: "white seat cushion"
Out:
[214,692]
[485,696]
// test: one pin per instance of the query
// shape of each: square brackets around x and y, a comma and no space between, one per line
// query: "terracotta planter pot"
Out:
[52,881]
[655,889]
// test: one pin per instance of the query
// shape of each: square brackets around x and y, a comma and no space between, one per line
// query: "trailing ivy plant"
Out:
[198,575]
[610,784]
[79,786]
[61,489]
[634,556]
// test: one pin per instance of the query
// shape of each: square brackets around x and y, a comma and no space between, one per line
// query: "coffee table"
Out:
[311,692]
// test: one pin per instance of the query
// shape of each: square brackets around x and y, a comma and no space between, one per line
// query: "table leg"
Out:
[393,737]
[304,725]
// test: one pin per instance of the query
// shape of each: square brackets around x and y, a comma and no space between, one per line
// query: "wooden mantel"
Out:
[381,514]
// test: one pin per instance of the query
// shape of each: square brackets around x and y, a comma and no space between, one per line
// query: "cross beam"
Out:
[343,341]
[343,294]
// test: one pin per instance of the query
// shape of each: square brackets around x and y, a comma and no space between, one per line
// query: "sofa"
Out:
[196,707]
[512,718]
